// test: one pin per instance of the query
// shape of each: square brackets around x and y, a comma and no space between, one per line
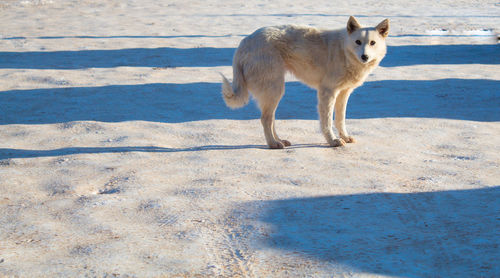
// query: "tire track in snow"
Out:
[226,248]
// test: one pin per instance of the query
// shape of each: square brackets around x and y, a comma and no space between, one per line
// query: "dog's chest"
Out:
[352,77]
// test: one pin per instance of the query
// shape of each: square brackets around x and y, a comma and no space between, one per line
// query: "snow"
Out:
[118,156]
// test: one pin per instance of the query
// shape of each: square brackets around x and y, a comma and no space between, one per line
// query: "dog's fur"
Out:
[334,62]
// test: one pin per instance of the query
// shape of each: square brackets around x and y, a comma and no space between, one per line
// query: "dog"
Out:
[334,62]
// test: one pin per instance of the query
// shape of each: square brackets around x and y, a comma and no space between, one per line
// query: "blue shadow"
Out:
[409,55]
[171,103]
[211,57]
[119,37]
[132,57]
[464,99]
[6,153]
[430,234]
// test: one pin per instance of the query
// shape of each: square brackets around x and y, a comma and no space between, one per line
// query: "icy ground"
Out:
[119,158]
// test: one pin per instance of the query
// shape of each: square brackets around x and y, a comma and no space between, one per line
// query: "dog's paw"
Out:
[277,145]
[286,143]
[337,143]
[349,139]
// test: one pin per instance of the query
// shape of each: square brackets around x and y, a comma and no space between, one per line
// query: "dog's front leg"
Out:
[326,101]
[340,108]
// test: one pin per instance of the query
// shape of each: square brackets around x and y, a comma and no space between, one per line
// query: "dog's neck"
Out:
[356,72]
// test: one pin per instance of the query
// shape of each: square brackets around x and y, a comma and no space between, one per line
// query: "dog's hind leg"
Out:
[285,142]
[264,72]
[267,120]
[268,99]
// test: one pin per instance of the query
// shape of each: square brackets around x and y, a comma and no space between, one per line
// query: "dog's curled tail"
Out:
[235,95]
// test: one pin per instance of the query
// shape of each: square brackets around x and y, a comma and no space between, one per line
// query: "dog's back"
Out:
[306,52]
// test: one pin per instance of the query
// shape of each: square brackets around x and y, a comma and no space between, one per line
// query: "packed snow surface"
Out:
[119,158]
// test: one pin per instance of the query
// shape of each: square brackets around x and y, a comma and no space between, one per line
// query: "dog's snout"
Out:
[364,57]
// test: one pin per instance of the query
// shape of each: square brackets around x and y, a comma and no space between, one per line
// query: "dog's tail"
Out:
[235,95]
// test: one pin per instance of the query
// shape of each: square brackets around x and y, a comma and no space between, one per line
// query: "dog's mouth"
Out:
[367,61]
[363,58]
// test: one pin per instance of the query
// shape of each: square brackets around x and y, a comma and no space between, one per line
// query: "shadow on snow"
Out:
[430,234]
[464,99]
[22,153]
[210,57]
[131,57]
[409,55]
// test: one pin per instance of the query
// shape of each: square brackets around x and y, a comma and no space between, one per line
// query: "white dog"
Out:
[334,62]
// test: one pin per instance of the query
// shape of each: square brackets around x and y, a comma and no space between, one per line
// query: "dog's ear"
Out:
[383,28]
[352,25]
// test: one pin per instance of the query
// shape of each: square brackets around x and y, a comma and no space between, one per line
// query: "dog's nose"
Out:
[364,57]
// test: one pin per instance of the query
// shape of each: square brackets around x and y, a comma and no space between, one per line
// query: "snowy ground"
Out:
[119,158]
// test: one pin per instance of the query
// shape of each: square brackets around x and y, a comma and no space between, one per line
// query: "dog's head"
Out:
[367,44]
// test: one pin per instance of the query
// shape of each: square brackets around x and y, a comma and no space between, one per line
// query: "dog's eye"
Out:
[358,42]
[372,43]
